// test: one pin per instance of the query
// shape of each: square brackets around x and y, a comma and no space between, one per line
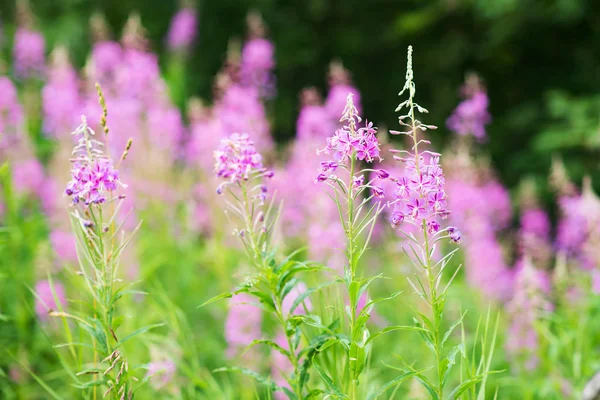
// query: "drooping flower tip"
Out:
[328,166]
[320,178]
[433,226]
[378,192]
[454,234]
[396,219]
[382,174]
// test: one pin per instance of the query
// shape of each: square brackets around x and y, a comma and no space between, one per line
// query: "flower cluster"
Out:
[93,175]
[237,159]
[349,142]
[420,197]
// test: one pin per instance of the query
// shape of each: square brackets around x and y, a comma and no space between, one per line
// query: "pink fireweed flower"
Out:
[237,159]
[105,60]
[183,29]
[93,175]
[534,236]
[257,66]
[11,114]
[243,323]
[471,116]
[258,61]
[46,301]
[578,234]
[340,87]
[528,304]
[314,121]
[61,100]
[240,109]
[28,53]
[350,141]
[420,196]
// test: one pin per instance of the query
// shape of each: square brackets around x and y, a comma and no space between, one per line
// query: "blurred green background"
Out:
[540,60]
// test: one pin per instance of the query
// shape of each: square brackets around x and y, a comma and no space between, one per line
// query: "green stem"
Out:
[293,357]
[352,268]
[259,258]
[436,314]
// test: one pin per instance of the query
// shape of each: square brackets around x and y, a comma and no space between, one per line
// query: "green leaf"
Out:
[451,360]
[310,320]
[97,332]
[395,328]
[391,384]
[455,394]
[449,331]
[329,382]
[307,293]
[226,295]
[357,356]
[265,300]
[89,384]
[271,344]
[265,380]
[138,332]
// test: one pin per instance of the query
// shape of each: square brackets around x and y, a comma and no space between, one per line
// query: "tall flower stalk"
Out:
[100,244]
[349,146]
[273,284]
[420,200]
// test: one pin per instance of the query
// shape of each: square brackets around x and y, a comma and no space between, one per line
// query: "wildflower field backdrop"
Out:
[226,199]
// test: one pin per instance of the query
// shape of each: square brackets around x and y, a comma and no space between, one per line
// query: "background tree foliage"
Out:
[540,60]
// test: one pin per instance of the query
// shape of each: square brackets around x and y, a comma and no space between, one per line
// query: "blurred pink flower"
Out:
[64,245]
[243,323]
[29,53]
[28,177]
[46,301]
[183,29]
[161,373]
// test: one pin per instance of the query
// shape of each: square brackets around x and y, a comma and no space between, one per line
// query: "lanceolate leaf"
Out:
[391,384]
